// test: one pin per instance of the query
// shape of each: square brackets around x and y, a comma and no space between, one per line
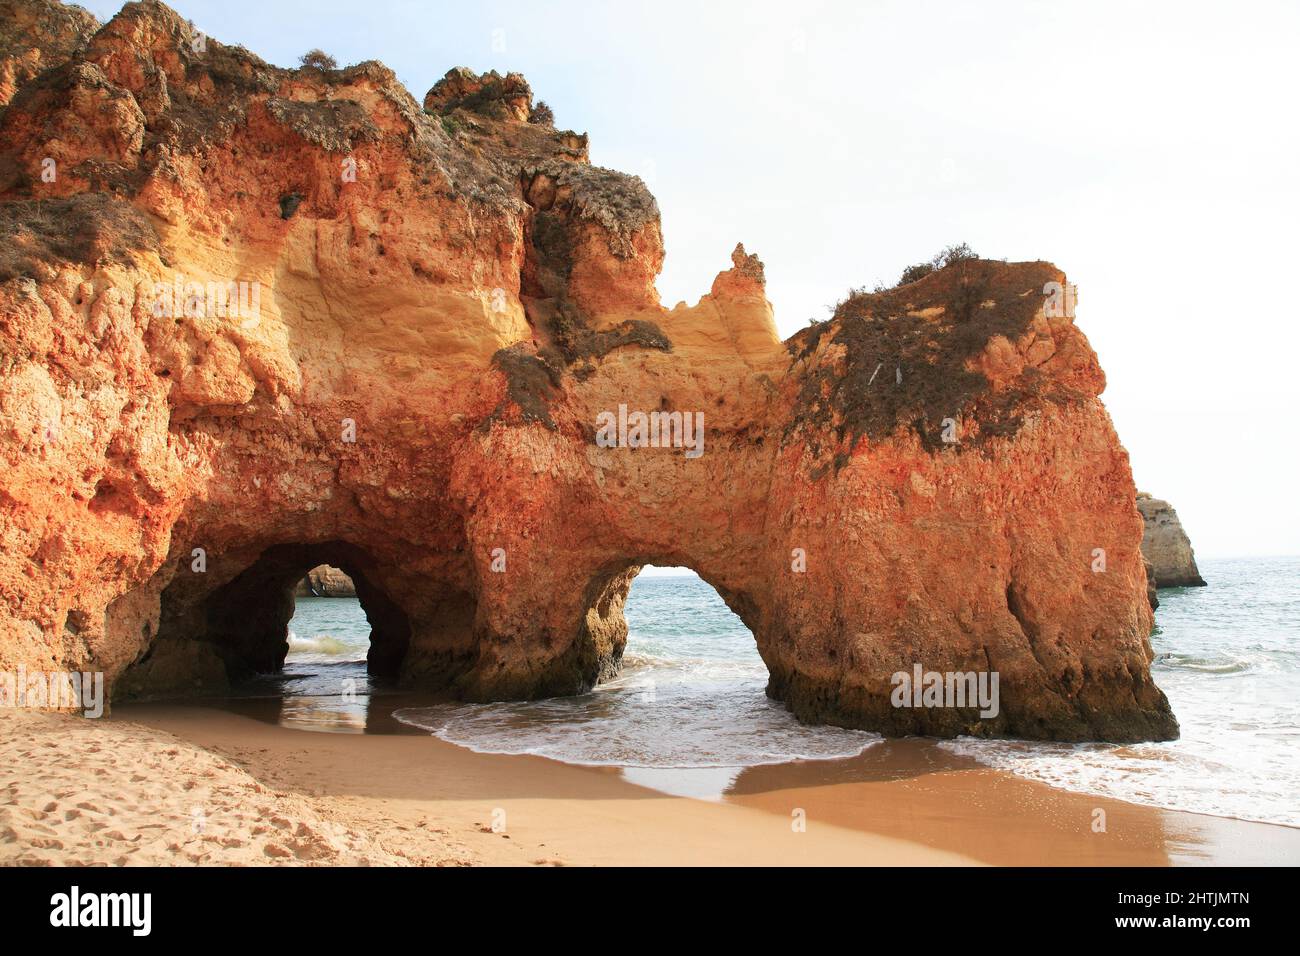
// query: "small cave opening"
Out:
[246,620]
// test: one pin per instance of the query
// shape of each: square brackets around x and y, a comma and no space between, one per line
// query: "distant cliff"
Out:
[325,581]
[1166,546]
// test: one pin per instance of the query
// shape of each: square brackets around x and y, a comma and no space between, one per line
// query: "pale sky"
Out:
[1148,149]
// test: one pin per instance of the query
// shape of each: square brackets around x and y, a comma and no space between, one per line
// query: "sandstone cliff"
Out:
[1166,545]
[450,299]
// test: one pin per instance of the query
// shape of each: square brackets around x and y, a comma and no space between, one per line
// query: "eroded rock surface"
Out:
[450,299]
[36,35]
[1166,545]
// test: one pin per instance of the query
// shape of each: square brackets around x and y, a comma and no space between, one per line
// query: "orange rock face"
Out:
[260,320]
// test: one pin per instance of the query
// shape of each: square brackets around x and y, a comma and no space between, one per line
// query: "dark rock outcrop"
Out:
[1152,597]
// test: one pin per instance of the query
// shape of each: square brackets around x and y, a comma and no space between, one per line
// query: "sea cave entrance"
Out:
[249,617]
[217,630]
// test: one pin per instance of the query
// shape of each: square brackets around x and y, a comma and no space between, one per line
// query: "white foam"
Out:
[661,714]
[325,645]
[1164,775]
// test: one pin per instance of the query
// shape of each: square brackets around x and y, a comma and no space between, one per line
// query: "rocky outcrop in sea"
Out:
[1166,545]
[324,581]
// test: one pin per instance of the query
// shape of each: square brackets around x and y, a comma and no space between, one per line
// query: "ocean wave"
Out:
[706,722]
[325,645]
[1156,775]
[1208,665]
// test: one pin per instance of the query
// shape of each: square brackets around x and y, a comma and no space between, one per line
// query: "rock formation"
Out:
[1166,545]
[35,36]
[324,581]
[442,310]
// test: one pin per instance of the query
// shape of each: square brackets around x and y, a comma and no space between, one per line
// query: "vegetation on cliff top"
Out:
[907,353]
[318,60]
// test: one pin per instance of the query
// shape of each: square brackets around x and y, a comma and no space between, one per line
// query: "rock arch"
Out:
[216,627]
[601,632]
[437,339]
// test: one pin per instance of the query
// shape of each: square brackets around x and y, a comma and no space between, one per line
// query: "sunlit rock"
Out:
[261,320]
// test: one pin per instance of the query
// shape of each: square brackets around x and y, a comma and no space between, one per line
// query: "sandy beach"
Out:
[168,784]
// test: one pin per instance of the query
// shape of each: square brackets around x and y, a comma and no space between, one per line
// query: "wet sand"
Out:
[916,791]
[385,793]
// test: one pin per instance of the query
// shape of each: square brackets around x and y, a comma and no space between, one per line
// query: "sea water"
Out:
[691,695]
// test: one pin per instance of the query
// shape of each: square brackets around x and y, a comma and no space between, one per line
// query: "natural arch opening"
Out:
[604,629]
[682,690]
[248,618]
[329,623]
[672,612]
[215,629]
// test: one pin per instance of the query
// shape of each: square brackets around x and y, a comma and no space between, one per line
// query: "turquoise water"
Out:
[691,696]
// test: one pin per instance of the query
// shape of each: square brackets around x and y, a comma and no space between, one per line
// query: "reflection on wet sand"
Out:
[916,790]
[355,704]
